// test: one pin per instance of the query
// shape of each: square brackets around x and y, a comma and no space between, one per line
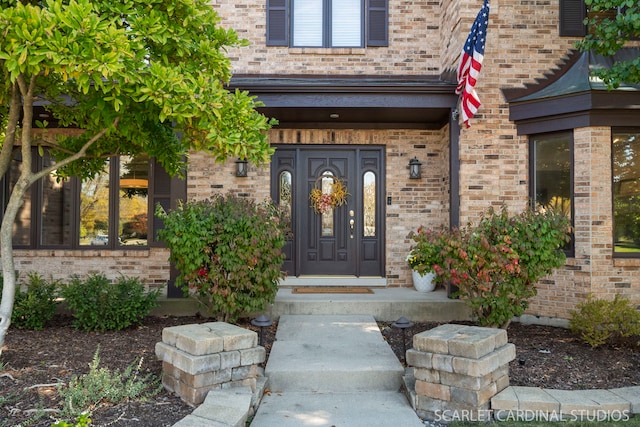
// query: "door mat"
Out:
[331,290]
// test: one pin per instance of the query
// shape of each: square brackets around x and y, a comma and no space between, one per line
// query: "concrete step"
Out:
[372,409]
[343,353]
[385,304]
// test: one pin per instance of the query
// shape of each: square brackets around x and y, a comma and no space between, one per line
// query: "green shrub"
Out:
[34,307]
[99,305]
[497,263]
[228,252]
[102,386]
[599,321]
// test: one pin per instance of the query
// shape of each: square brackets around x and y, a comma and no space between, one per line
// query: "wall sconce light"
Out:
[241,168]
[414,168]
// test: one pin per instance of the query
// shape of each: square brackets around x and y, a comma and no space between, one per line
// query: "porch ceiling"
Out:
[352,102]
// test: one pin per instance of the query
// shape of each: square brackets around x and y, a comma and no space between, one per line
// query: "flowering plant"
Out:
[425,254]
[323,201]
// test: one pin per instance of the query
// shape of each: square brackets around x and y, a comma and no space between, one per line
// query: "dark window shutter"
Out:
[377,23]
[277,23]
[164,191]
[572,15]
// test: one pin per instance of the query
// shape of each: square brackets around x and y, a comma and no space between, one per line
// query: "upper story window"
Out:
[574,12]
[625,154]
[551,181]
[327,23]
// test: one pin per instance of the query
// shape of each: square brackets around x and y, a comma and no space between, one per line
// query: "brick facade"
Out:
[425,38]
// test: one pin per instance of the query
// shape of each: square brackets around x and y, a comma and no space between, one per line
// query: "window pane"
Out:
[346,23]
[286,201]
[552,168]
[307,22]
[369,204]
[57,205]
[626,191]
[94,210]
[327,216]
[133,201]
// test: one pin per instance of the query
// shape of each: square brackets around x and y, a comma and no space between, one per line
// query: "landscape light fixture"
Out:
[414,168]
[261,321]
[403,323]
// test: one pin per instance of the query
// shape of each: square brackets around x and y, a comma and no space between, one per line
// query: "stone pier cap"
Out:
[208,338]
[472,342]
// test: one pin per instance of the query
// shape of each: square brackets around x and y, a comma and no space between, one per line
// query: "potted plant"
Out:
[424,257]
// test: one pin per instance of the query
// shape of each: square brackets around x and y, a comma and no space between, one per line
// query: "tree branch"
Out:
[80,154]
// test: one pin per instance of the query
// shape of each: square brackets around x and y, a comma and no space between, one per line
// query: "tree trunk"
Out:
[6,253]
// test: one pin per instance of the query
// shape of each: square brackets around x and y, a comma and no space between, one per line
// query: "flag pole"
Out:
[455,113]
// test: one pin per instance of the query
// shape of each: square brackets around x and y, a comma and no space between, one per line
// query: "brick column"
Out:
[199,358]
[458,369]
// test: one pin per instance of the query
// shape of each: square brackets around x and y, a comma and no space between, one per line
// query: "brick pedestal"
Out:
[458,369]
[199,358]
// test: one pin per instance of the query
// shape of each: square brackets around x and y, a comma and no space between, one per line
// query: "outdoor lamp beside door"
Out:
[241,168]
[414,168]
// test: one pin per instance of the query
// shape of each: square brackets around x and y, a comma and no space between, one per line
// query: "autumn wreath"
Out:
[335,195]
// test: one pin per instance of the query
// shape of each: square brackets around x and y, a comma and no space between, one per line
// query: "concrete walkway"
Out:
[334,370]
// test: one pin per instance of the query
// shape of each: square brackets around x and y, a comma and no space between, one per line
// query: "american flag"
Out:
[471,63]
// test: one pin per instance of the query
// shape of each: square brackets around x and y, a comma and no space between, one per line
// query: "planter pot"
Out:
[424,283]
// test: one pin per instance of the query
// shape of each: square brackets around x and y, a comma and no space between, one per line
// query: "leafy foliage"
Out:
[609,33]
[99,305]
[228,252]
[152,68]
[600,321]
[102,386]
[427,250]
[36,306]
[497,263]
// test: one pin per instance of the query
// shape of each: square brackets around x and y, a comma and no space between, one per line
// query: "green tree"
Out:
[132,74]
[612,23]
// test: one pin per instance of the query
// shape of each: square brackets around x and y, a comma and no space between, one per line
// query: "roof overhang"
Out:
[586,109]
[352,102]
[571,98]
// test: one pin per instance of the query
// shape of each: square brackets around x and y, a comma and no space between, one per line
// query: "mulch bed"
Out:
[36,360]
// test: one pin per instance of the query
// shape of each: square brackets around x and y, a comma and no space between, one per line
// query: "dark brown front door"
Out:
[344,240]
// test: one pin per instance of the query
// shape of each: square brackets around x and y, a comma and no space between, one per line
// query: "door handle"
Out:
[352,223]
